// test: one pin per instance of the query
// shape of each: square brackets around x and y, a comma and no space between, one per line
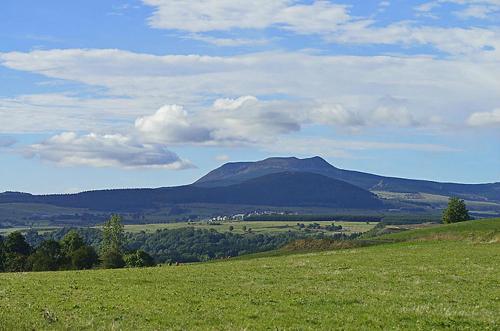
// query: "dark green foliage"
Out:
[47,257]
[2,255]
[456,211]
[16,243]
[71,242]
[196,245]
[112,259]
[138,259]
[16,252]
[15,262]
[84,257]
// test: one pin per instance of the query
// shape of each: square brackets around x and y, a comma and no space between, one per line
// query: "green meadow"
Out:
[256,226]
[427,282]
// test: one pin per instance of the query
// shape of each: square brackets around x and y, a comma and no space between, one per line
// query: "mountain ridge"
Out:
[284,189]
[231,173]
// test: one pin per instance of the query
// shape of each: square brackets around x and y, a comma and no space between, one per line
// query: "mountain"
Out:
[237,172]
[292,189]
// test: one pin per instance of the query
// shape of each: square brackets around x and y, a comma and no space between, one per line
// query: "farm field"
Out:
[267,227]
[415,285]
[257,227]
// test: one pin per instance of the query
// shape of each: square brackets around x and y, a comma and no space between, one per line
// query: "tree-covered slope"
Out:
[236,172]
[281,189]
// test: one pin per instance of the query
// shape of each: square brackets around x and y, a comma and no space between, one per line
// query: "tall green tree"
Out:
[113,235]
[112,243]
[456,211]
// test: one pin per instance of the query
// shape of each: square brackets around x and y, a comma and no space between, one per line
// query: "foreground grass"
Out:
[412,285]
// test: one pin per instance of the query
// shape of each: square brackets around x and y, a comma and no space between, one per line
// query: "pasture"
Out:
[414,285]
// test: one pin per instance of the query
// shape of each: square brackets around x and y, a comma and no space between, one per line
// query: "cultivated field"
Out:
[417,285]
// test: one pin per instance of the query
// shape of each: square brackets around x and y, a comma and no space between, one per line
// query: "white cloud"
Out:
[336,115]
[229,42]
[313,88]
[229,121]
[109,150]
[221,15]
[485,119]
[172,124]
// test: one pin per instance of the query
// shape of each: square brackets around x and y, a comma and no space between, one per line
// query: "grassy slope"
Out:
[480,230]
[410,285]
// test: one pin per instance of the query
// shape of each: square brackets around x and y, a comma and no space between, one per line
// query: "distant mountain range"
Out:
[237,172]
[277,189]
[278,182]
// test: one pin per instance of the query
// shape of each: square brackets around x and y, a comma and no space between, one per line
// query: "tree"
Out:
[2,255]
[84,257]
[138,259]
[112,243]
[71,242]
[47,257]
[16,252]
[15,243]
[112,259]
[456,211]
[113,234]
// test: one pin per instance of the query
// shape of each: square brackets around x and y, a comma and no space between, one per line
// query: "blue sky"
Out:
[109,94]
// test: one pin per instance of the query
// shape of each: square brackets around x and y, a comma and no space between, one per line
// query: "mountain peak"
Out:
[237,172]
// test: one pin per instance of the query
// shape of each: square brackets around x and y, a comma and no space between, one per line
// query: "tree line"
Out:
[71,252]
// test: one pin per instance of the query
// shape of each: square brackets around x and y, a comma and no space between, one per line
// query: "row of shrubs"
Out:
[70,253]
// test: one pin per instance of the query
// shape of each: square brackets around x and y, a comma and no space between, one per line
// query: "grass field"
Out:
[257,227]
[416,285]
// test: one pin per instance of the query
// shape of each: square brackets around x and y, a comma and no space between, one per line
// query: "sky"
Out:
[127,93]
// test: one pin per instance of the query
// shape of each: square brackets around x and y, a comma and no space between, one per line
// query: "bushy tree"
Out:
[2,255]
[16,251]
[71,242]
[47,257]
[16,243]
[84,257]
[138,259]
[112,260]
[456,211]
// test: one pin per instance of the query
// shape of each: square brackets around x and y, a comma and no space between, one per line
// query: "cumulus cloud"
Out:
[109,150]
[132,84]
[171,123]
[228,121]
[485,119]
